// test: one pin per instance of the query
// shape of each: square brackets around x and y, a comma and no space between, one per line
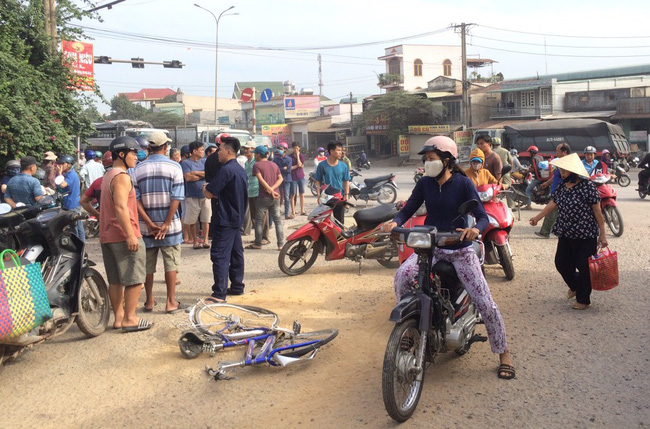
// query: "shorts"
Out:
[171,258]
[298,185]
[123,267]
[197,208]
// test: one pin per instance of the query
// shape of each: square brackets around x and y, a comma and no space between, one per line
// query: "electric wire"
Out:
[559,55]
[564,35]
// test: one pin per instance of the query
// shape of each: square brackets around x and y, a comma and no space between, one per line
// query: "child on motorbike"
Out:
[443,189]
[476,173]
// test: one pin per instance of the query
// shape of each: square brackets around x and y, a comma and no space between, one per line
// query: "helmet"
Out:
[496,141]
[90,154]
[65,159]
[590,149]
[441,143]
[107,159]
[13,167]
[40,174]
[284,145]
[124,143]
[605,151]
[217,139]
[98,154]
[532,149]
[143,142]
[514,152]
[320,149]
[185,150]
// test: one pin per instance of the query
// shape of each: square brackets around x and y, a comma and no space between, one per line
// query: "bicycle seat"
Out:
[370,218]
[372,182]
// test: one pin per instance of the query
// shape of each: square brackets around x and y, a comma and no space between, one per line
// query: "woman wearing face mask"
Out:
[443,189]
[477,174]
[579,226]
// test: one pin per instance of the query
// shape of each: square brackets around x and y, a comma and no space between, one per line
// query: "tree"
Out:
[38,110]
[402,109]
[123,108]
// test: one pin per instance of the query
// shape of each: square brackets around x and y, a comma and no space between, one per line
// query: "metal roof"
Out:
[599,73]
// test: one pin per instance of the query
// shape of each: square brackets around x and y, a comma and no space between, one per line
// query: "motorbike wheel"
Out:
[366,166]
[624,181]
[94,312]
[401,382]
[294,252]
[642,195]
[312,188]
[614,220]
[387,195]
[506,262]
[91,228]
[390,258]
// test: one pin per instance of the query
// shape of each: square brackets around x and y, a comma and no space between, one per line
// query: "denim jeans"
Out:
[530,187]
[268,205]
[79,229]
[285,193]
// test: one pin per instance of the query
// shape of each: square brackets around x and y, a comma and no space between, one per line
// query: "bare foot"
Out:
[119,316]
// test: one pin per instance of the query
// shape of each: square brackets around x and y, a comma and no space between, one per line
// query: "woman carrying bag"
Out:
[580,227]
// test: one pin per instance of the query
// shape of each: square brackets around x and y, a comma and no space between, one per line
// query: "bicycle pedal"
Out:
[296,327]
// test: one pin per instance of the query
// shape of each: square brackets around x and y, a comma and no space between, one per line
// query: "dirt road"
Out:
[574,369]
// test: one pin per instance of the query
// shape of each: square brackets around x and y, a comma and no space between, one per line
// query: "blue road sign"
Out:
[266,95]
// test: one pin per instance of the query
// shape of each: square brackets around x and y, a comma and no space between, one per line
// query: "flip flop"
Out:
[205,246]
[213,300]
[142,325]
[264,242]
[197,246]
[253,247]
[181,307]
[149,310]
[507,370]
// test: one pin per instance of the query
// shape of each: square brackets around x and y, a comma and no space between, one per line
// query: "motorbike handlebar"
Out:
[79,216]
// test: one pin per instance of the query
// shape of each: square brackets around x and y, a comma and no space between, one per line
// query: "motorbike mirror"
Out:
[47,200]
[468,207]
[4,208]
[506,169]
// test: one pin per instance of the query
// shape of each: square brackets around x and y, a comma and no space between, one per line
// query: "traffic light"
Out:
[173,64]
[103,60]
[137,65]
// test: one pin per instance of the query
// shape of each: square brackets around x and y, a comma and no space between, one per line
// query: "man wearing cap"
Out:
[49,163]
[23,188]
[71,188]
[158,183]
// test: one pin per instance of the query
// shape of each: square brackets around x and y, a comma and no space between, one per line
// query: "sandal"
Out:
[578,306]
[205,246]
[149,310]
[253,247]
[181,307]
[142,325]
[213,300]
[265,242]
[570,294]
[506,372]
[197,246]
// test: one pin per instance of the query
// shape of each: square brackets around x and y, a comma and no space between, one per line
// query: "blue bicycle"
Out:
[219,326]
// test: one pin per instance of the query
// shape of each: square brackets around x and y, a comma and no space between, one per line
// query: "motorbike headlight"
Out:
[419,240]
[324,198]
[486,195]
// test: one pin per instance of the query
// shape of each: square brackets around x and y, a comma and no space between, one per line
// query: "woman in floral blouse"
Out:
[580,227]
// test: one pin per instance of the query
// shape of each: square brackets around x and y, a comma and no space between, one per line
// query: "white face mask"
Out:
[477,165]
[433,168]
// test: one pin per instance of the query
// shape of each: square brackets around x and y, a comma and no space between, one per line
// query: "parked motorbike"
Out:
[436,316]
[311,184]
[622,178]
[360,163]
[77,292]
[607,194]
[323,233]
[381,189]
[419,172]
[496,236]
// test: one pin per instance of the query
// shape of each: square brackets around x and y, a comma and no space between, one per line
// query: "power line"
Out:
[559,55]
[559,46]
[565,35]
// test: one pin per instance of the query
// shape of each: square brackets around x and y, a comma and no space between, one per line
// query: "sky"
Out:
[279,40]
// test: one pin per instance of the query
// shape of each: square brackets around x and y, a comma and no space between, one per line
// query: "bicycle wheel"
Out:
[310,340]
[215,319]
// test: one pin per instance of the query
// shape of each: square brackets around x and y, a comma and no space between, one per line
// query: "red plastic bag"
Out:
[603,269]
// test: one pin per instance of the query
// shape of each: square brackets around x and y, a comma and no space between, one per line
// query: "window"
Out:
[446,68]
[393,67]
[528,99]
[417,67]
[545,96]
[451,111]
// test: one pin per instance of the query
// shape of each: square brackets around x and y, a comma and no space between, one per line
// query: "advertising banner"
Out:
[302,107]
[403,146]
[277,132]
[79,58]
[428,129]
[463,138]
[378,126]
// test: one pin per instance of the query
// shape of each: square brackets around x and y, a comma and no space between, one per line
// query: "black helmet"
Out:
[143,142]
[124,144]
[65,159]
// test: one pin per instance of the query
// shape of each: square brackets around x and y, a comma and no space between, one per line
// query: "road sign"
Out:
[266,95]
[246,94]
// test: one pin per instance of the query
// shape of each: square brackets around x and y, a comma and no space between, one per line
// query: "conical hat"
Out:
[571,163]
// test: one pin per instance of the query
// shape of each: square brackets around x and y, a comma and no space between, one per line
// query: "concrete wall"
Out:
[561,88]
[432,57]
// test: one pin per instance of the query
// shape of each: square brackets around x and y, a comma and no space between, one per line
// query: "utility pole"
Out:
[320,77]
[466,107]
[49,12]
[254,114]
[351,115]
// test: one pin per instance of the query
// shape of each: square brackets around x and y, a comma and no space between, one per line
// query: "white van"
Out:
[209,136]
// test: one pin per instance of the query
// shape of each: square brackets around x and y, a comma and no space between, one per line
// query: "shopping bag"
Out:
[603,269]
[23,298]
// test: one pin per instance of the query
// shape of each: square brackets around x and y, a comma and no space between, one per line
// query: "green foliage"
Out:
[402,109]
[123,108]
[390,79]
[37,110]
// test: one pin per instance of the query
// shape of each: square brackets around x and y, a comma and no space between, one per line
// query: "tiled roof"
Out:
[149,94]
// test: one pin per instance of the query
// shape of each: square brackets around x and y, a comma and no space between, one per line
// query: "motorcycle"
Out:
[360,163]
[644,190]
[91,225]
[417,175]
[381,189]
[496,236]
[622,178]
[77,293]
[607,194]
[539,195]
[323,233]
[436,316]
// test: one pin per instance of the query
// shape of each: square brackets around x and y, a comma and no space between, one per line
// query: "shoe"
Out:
[539,234]
[570,294]
[528,207]
[230,291]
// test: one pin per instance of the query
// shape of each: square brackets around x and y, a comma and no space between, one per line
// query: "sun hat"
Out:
[49,156]
[572,163]
[250,144]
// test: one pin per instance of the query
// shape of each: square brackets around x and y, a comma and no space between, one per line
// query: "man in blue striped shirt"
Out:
[158,183]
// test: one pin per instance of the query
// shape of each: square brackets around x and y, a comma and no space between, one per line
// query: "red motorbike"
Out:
[496,236]
[607,194]
[323,233]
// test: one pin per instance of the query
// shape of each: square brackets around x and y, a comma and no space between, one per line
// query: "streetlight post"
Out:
[216,55]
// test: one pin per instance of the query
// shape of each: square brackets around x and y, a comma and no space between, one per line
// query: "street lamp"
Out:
[216,56]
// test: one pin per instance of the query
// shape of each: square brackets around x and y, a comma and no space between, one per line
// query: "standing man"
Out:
[198,207]
[298,179]
[335,173]
[535,159]
[284,164]
[119,234]
[72,188]
[254,189]
[269,178]
[23,187]
[227,252]
[159,190]
[92,169]
[49,163]
[506,159]
[493,162]
[561,150]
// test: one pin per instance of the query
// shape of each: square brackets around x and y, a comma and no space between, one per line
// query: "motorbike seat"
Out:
[370,218]
[373,181]
[449,278]
[11,219]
